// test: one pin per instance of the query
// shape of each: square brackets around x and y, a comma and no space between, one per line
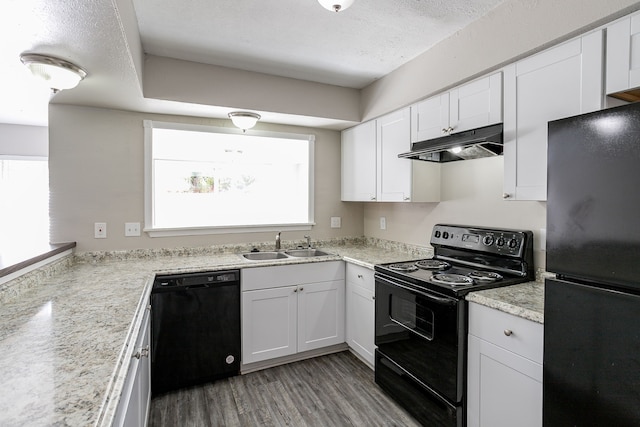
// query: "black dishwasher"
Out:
[195,329]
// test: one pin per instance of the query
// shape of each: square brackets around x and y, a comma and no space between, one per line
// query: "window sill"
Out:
[198,231]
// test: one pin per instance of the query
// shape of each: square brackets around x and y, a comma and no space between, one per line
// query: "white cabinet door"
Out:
[360,321]
[320,315]
[359,163]
[469,106]
[504,369]
[360,311]
[430,118]
[476,104]
[505,389]
[269,323]
[623,54]
[560,82]
[394,174]
[133,408]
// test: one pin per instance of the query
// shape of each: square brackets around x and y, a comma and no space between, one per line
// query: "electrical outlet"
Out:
[336,222]
[383,223]
[131,229]
[100,230]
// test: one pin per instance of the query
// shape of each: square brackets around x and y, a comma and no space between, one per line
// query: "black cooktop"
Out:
[467,259]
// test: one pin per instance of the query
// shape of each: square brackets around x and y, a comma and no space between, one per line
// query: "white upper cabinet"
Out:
[563,81]
[373,171]
[359,163]
[430,118]
[394,174]
[472,105]
[623,54]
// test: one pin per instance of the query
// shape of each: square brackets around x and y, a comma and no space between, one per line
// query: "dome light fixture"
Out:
[244,119]
[56,73]
[336,5]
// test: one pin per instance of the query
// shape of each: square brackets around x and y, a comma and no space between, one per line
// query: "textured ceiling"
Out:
[299,38]
[290,38]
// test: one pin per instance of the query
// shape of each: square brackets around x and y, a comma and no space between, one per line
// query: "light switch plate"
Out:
[131,229]
[336,222]
[100,230]
[383,223]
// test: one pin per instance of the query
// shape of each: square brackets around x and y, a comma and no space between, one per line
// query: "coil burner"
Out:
[432,264]
[485,276]
[405,267]
[451,279]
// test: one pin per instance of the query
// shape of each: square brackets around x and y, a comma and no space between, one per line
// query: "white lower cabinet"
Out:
[133,408]
[291,308]
[360,311]
[504,370]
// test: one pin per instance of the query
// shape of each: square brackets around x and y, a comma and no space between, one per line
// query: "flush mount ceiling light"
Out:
[336,5]
[57,73]
[244,119]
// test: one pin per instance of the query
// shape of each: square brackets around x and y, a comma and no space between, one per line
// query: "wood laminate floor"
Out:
[333,390]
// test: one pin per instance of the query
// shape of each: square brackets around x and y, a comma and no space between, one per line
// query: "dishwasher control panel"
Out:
[196,279]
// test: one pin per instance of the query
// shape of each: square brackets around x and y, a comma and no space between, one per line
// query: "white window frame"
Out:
[149,125]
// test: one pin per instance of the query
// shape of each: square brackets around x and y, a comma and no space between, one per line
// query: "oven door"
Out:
[424,333]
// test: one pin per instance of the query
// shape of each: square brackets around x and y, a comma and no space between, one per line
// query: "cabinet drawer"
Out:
[360,276]
[518,335]
[291,275]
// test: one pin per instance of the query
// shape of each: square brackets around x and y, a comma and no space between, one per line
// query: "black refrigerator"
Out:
[592,306]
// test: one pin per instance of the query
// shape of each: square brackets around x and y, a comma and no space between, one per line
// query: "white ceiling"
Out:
[291,38]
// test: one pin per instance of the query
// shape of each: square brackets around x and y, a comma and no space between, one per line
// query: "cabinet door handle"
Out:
[508,332]
[295,290]
[407,198]
[506,195]
[301,289]
[359,276]
[143,352]
[373,198]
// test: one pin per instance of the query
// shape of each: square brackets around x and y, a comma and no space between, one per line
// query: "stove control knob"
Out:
[513,243]
[487,240]
[437,234]
[445,235]
[500,241]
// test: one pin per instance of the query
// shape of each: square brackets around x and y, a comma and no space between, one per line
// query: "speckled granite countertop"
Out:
[67,337]
[525,300]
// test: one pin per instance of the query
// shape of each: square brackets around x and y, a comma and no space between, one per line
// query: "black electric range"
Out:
[421,315]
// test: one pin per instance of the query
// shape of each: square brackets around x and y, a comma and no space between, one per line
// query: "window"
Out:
[24,201]
[202,180]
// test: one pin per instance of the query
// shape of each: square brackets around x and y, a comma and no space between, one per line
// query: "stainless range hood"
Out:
[471,144]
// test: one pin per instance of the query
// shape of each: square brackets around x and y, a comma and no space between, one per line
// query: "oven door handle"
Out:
[436,299]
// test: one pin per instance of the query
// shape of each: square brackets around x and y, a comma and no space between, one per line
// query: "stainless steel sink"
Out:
[263,256]
[306,252]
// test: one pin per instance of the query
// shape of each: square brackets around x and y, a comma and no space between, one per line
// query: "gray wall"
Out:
[512,30]
[471,195]
[96,175]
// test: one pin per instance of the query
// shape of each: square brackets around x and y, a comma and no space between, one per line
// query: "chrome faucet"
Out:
[278,241]
[308,241]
